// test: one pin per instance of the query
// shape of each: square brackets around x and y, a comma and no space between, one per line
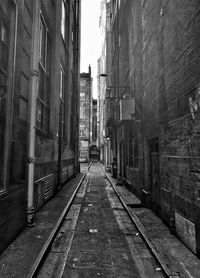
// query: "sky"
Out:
[90,38]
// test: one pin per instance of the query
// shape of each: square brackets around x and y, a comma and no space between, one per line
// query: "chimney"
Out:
[89,69]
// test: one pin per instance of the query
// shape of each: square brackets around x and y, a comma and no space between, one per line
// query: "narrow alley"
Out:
[99,138]
[97,238]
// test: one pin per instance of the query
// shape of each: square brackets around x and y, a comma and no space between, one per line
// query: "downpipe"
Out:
[32,115]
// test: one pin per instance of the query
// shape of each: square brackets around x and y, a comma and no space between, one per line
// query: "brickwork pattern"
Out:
[159,59]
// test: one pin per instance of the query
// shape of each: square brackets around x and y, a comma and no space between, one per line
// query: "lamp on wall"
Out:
[110,87]
[108,138]
[103,75]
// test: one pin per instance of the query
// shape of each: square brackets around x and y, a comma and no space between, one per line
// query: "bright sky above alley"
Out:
[90,38]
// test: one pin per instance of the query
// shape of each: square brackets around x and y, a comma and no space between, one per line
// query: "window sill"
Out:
[40,132]
[64,43]
[3,194]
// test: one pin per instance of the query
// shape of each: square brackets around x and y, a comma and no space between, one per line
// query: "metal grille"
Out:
[65,175]
[38,197]
[49,186]
[44,189]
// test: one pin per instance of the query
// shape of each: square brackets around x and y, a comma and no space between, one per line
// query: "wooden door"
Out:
[155,176]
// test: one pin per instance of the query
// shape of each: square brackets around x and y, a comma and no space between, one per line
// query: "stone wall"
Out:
[159,59]
[13,198]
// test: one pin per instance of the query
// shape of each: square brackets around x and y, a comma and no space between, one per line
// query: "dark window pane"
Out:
[46,119]
[42,42]
[3,80]
[41,83]
[63,19]
[39,115]
[4,45]
[5,27]
[4,33]
[48,62]
[47,91]
[44,78]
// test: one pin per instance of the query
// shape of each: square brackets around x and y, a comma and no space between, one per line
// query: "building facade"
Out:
[39,106]
[101,70]
[155,61]
[85,125]
[94,122]
[94,149]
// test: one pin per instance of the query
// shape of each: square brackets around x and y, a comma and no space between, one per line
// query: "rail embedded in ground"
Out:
[141,230]
[44,252]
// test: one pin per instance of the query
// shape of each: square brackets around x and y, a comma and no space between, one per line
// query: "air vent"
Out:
[127,109]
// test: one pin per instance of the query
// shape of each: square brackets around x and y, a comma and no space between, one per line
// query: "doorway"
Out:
[155,175]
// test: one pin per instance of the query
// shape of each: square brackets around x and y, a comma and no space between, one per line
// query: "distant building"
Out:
[104,85]
[85,123]
[94,149]
[101,67]
[94,122]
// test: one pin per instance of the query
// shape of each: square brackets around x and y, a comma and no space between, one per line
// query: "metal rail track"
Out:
[89,165]
[44,252]
[137,223]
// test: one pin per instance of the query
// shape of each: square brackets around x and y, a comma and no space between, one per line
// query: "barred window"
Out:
[42,119]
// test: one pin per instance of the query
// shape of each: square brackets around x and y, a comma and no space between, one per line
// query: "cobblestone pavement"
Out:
[17,259]
[101,242]
[97,238]
[179,260]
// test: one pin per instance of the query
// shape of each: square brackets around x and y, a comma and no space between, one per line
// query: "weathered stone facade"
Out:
[85,123]
[156,53]
[56,142]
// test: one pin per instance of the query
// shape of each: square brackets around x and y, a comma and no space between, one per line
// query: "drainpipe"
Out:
[78,19]
[33,105]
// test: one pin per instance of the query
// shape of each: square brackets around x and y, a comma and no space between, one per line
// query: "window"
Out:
[82,112]
[83,83]
[7,37]
[62,102]
[44,78]
[82,96]
[136,154]
[63,19]
[82,131]
[130,147]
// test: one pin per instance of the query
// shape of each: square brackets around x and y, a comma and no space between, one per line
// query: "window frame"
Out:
[44,68]
[64,15]
[62,97]
[10,73]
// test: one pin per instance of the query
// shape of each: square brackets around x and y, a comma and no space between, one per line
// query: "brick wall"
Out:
[179,142]
[160,60]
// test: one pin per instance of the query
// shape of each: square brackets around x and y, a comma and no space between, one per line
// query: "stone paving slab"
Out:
[179,258]
[17,259]
[130,199]
[88,273]
[101,253]
[172,249]
[99,247]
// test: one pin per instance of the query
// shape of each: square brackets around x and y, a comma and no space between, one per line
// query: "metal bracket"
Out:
[31,159]
[35,72]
